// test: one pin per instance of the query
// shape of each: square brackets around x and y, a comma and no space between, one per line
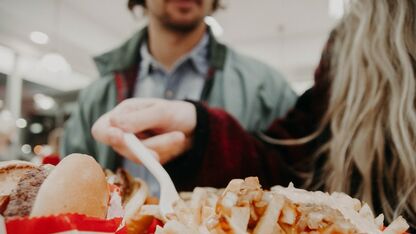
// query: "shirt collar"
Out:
[147,60]
[198,57]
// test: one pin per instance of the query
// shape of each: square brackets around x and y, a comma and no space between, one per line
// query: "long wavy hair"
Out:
[371,111]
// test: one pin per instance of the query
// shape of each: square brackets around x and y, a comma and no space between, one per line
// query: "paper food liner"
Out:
[73,223]
[152,228]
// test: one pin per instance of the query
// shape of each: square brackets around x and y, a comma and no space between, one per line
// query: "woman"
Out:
[354,131]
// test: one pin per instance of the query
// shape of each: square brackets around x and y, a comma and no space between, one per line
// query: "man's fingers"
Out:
[167,145]
[138,120]
[133,104]
[103,132]
[111,136]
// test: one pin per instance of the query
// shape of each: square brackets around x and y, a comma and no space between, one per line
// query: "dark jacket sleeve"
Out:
[223,150]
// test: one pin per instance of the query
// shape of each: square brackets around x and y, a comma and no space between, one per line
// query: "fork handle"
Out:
[146,157]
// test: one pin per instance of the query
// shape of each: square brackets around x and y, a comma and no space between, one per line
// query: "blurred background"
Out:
[46,48]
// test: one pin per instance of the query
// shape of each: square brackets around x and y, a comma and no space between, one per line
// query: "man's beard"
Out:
[180,27]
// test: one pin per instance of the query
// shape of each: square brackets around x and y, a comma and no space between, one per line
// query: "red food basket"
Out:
[74,223]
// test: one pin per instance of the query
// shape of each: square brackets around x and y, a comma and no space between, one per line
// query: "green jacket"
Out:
[254,93]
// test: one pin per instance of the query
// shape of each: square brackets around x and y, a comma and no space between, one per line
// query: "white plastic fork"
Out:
[168,193]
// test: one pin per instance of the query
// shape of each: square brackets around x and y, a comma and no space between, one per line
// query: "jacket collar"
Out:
[196,59]
[128,54]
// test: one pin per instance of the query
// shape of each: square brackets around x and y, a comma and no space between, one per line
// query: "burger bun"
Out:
[76,185]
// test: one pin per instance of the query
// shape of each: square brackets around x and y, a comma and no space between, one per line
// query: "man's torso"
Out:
[184,81]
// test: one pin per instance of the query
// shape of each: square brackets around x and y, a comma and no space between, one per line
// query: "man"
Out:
[176,57]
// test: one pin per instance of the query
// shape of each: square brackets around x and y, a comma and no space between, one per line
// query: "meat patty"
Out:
[23,197]
[126,184]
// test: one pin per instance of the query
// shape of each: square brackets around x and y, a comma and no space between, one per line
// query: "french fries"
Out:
[243,207]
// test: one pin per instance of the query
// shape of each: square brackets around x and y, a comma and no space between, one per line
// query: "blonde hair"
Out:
[371,112]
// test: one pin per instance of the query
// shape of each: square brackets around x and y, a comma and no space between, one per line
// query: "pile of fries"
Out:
[243,207]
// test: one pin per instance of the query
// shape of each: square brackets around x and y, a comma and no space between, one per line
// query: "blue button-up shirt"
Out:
[184,81]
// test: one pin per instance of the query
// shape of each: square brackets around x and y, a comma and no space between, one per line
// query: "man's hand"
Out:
[166,127]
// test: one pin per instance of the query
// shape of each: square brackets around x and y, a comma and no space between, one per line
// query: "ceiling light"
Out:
[55,62]
[216,28]
[39,37]
[38,149]
[26,149]
[36,128]
[43,101]
[21,123]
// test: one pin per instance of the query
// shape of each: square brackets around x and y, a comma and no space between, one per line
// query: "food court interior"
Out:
[46,50]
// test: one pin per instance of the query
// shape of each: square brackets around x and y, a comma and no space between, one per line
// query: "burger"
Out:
[76,185]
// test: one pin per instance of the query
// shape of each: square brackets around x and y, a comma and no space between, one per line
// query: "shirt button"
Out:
[169,93]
